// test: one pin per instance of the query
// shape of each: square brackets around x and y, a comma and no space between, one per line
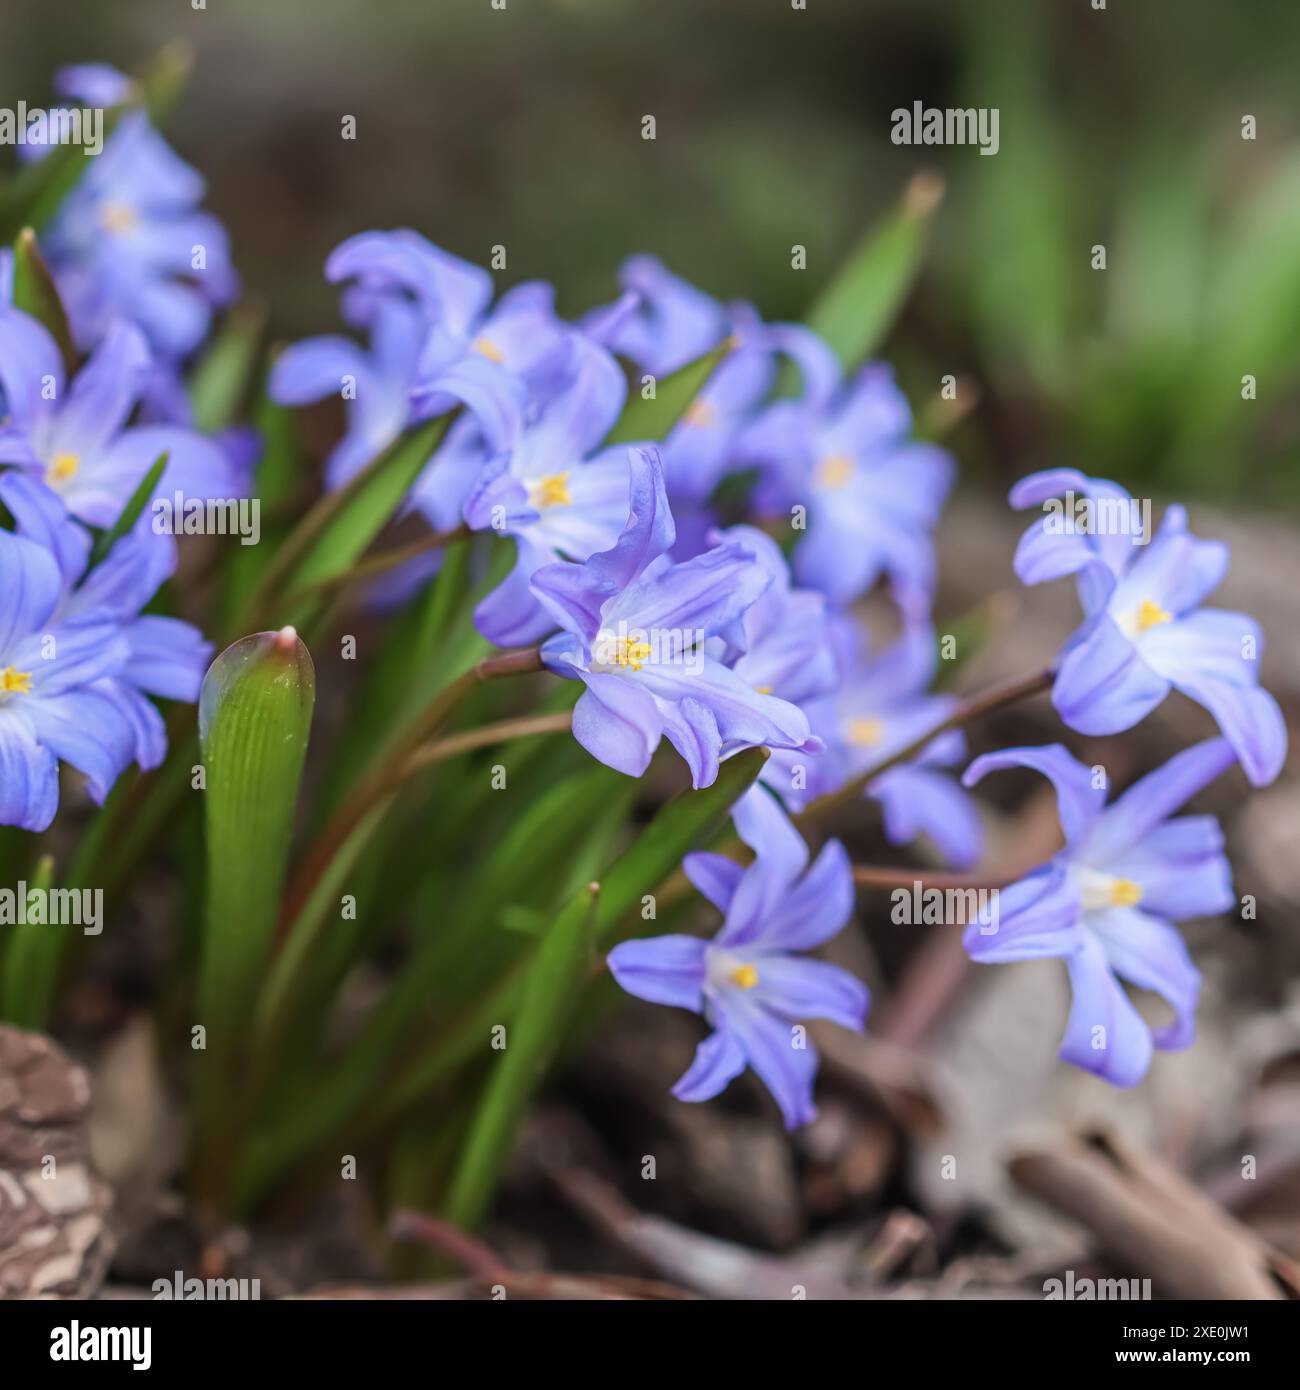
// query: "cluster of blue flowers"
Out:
[717,636]
[139,270]
[722,639]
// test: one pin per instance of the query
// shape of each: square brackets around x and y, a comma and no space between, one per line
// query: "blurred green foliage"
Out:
[1119,127]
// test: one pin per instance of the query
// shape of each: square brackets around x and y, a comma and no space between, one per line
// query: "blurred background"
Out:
[1119,127]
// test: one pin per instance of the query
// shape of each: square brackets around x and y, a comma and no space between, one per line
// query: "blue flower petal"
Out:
[662,969]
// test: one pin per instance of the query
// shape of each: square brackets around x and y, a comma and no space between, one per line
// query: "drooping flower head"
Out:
[1145,631]
[635,628]
[77,659]
[749,984]
[1106,902]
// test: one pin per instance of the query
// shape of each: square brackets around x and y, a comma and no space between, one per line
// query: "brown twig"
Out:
[1152,1220]
[473,1255]
[870,876]
[487,1268]
[975,707]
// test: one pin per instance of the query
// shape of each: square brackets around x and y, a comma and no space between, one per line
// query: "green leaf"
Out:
[856,310]
[33,195]
[35,294]
[164,81]
[279,472]
[342,524]
[654,419]
[129,514]
[553,983]
[255,713]
[221,380]
[31,964]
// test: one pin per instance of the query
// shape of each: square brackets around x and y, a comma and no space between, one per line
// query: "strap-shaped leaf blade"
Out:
[654,419]
[855,311]
[255,712]
[553,983]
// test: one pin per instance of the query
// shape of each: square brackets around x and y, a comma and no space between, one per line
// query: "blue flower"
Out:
[872,495]
[375,384]
[673,324]
[465,336]
[129,241]
[557,498]
[862,707]
[635,633]
[77,659]
[1106,902]
[437,342]
[1145,631]
[75,438]
[784,643]
[881,704]
[747,982]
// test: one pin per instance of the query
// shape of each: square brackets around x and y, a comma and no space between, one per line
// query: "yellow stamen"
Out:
[866,733]
[15,682]
[745,976]
[700,414]
[763,689]
[485,347]
[632,654]
[118,218]
[63,467]
[835,470]
[550,491]
[1125,893]
[1148,615]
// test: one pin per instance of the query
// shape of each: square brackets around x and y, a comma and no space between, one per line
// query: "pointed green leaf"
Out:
[856,310]
[31,963]
[129,514]
[654,419]
[221,380]
[279,472]
[343,523]
[35,294]
[163,82]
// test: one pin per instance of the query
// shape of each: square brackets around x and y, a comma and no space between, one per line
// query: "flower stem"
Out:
[484,737]
[871,876]
[391,773]
[374,565]
[996,697]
